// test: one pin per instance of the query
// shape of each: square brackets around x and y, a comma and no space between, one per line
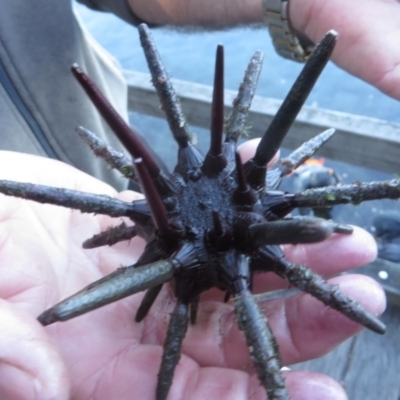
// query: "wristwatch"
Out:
[287,42]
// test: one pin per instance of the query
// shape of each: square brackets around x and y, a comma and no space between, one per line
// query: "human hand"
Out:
[105,354]
[369,36]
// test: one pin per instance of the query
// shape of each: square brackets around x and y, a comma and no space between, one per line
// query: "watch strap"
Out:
[288,43]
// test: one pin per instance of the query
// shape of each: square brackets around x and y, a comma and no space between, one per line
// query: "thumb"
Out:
[30,366]
[248,150]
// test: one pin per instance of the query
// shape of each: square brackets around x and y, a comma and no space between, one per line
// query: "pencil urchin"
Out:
[214,221]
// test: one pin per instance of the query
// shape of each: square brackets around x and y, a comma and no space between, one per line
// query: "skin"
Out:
[369,30]
[105,354]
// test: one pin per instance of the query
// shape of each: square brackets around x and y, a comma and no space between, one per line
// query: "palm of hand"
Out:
[105,354]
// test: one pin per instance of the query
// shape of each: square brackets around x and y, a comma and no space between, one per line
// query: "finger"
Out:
[228,384]
[337,254]
[368,48]
[248,149]
[304,385]
[199,383]
[30,367]
[48,172]
[135,371]
[304,327]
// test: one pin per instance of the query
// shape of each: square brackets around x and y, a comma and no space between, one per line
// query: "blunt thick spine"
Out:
[304,152]
[126,282]
[237,119]
[113,158]
[292,231]
[82,201]
[308,281]
[353,193]
[262,346]
[176,332]
[170,103]
[294,101]
[111,236]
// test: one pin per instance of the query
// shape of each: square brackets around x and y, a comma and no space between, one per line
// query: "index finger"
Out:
[337,254]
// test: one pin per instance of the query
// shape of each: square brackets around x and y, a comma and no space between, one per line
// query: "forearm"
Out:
[205,13]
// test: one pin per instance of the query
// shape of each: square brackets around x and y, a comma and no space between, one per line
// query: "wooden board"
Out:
[359,140]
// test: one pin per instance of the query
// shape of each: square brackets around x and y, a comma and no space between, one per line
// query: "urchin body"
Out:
[214,221]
